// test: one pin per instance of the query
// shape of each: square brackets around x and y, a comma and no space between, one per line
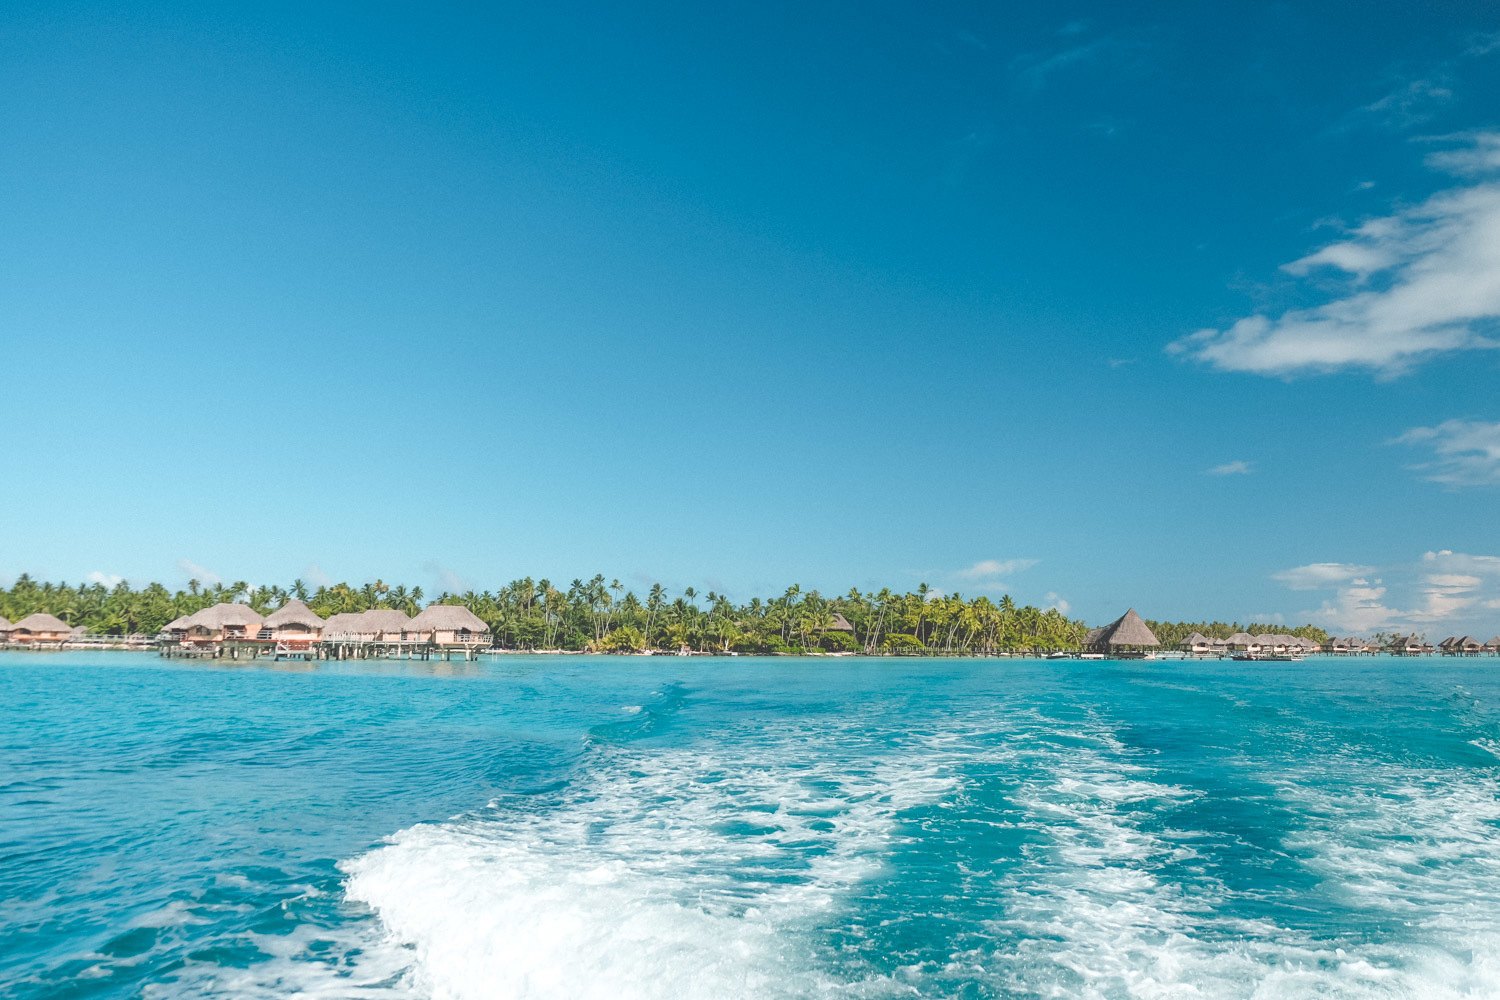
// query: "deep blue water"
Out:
[665,827]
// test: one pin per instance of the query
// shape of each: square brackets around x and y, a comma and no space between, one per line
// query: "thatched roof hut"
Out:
[1127,633]
[294,614]
[368,626]
[1241,640]
[1195,643]
[177,624]
[5,625]
[449,625]
[40,622]
[447,618]
[1493,645]
[223,617]
[839,624]
[39,627]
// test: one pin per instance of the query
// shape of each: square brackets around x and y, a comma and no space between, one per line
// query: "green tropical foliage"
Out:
[604,616]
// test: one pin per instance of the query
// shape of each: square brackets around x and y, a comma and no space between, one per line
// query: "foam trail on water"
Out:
[665,873]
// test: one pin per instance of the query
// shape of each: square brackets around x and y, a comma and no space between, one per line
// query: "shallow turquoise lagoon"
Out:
[665,827]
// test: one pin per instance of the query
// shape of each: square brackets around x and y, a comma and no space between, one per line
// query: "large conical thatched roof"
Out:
[176,624]
[447,617]
[1493,643]
[294,613]
[1127,630]
[840,624]
[40,622]
[224,615]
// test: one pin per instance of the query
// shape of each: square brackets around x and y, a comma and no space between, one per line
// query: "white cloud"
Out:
[1421,282]
[1456,590]
[987,569]
[1466,452]
[1357,607]
[1412,103]
[108,579]
[1239,467]
[1055,600]
[314,576]
[446,579]
[1320,576]
[202,574]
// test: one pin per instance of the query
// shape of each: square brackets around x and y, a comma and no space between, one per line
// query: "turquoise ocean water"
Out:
[665,827]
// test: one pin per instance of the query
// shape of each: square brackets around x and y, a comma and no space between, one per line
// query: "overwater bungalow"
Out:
[1493,646]
[1448,646]
[1340,647]
[5,627]
[40,629]
[293,624]
[1408,645]
[375,625]
[221,623]
[449,625]
[1242,642]
[1128,637]
[1197,644]
[1469,646]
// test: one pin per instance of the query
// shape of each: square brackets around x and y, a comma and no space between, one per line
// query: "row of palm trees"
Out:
[604,615]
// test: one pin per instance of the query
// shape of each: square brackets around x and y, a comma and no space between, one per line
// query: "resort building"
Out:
[222,622]
[375,625]
[1468,646]
[39,629]
[1127,637]
[1242,642]
[448,625]
[294,622]
[5,627]
[1197,644]
[838,623]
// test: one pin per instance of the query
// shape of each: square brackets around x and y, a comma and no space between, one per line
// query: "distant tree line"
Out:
[1172,634]
[607,617]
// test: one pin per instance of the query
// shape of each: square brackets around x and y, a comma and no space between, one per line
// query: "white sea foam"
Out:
[1110,902]
[667,873]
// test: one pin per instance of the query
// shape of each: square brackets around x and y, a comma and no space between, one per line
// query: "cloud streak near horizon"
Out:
[1412,285]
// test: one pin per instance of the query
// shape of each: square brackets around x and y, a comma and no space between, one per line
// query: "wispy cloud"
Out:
[202,574]
[989,569]
[1454,590]
[1238,467]
[445,579]
[108,579]
[1465,452]
[1317,576]
[1055,600]
[1412,103]
[1422,282]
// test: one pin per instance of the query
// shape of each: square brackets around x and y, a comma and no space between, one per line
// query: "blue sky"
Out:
[1191,308]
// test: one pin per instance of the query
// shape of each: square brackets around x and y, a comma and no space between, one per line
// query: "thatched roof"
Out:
[294,613]
[1241,639]
[840,624]
[40,622]
[1448,642]
[375,621]
[387,620]
[5,625]
[177,624]
[445,618]
[1493,643]
[224,615]
[1197,639]
[1126,630]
